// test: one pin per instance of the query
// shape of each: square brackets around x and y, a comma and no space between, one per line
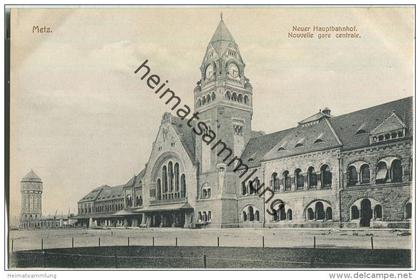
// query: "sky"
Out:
[81,118]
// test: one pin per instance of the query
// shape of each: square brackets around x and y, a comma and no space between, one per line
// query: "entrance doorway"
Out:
[365,213]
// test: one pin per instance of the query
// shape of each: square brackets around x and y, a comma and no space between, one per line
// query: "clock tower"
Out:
[223,98]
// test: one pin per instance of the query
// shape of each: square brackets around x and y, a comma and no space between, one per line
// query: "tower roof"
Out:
[222,33]
[32,177]
[222,38]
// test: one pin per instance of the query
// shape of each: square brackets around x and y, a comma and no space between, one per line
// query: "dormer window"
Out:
[281,149]
[391,128]
[299,145]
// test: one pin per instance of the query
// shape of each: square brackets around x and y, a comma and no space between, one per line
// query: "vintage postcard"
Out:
[211,137]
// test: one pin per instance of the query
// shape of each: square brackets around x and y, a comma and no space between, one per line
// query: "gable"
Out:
[392,123]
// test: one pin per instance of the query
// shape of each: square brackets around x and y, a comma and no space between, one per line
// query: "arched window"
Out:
[244,190]
[310,214]
[289,214]
[381,173]
[129,201]
[354,212]
[328,213]
[204,216]
[244,216]
[326,176]
[199,102]
[203,100]
[227,95]
[204,195]
[251,187]
[234,98]
[365,174]
[352,175]
[251,213]
[246,100]
[171,176]
[200,217]
[208,192]
[377,212]
[183,186]
[164,179]
[209,216]
[408,209]
[257,215]
[176,172]
[312,179]
[319,211]
[282,212]
[213,96]
[396,171]
[275,182]
[208,98]
[240,98]
[299,179]
[286,181]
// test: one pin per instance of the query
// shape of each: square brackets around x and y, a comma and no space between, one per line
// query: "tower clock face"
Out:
[233,71]
[209,71]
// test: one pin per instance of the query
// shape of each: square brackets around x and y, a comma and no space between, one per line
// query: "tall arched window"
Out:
[244,189]
[310,214]
[244,216]
[289,214]
[352,175]
[365,174]
[251,213]
[246,100]
[396,171]
[171,176]
[213,96]
[200,217]
[377,212]
[240,98]
[328,213]
[257,215]
[286,180]
[204,216]
[176,176]
[354,212]
[164,179]
[312,179]
[326,176]
[282,212]
[183,186]
[227,95]
[234,98]
[275,182]
[381,173]
[408,209]
[251,187]
[319,211]
[299,179]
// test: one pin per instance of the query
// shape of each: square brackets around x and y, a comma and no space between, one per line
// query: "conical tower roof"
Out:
[31,177]
[222,33]
[222,38]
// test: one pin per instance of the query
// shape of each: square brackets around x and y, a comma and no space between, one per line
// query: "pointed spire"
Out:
[222,33]
[31,176]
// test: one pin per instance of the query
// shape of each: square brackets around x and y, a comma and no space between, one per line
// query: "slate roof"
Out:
[104,193]
[186,135]
[257,147]
[31,177]
[303,139]
[327,132]
[111,193]
[347,125]
[222,38]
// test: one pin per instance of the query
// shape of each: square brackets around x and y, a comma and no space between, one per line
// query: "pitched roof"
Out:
[222,38]
[186,135]
[304,139]
[31,177]
[111,193]
[346,126]
[328,132]
[258,146]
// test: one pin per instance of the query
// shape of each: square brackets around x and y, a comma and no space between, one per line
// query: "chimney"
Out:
[327,111]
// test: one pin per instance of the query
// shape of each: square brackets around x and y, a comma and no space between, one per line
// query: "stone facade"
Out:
[353,170]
